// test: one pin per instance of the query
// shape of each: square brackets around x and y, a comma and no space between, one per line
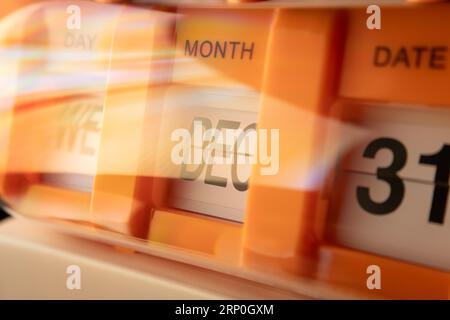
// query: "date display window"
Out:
[207,148]
[391,189]
[73,142]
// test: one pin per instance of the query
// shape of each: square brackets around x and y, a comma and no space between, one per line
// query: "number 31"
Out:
[389,174]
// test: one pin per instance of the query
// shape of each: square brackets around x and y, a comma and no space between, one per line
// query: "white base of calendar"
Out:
[34,261]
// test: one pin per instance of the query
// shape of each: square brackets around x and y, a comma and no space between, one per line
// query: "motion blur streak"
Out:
[42,78]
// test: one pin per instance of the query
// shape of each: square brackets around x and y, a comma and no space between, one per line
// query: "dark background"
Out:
[3,214]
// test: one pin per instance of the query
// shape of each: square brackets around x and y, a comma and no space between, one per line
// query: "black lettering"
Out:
[387,174]
[239,185]
[194,174]
[441,160]
[219,48]
[233,50]
[209,178]
[401,57]
[438,57]
[209,47]
[418,53]
[248,50]
[191,51]
[382,56]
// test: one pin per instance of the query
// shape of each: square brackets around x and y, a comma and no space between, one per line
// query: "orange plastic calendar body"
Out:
[392,90]
[291,145]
